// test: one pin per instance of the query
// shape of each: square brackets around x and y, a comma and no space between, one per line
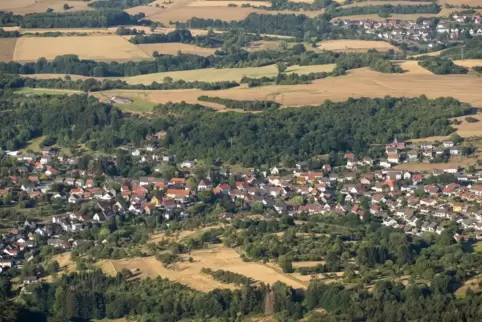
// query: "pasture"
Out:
[100,48]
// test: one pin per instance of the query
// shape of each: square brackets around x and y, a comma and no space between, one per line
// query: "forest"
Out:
[286,134]
[118,4]
[385,9]
[441,66]
[80,19]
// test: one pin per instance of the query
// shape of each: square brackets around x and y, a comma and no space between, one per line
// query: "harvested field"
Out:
[22,7]
[355,45]
[67,30]
[307,264]
[412,67]
[225,74]
[173,48]
[380,3]
[7,48]
[361,82]
[433,53]
[103,48]
[190,273]
[468,63]
[472,3]
[225,3]
[217,12]
[180,235]
[332,45]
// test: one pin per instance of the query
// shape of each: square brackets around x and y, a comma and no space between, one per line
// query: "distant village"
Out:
[429,31]
[416,202]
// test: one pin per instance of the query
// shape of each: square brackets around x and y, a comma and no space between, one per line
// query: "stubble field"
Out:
[99,48]
[22,7]
[7,48]
[174,48]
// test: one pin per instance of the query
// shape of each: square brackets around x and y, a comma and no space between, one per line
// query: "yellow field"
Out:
[190,273]
[355,45]
[225,3]
[173,48]
[412,67]
[22,7]
[434,53]
[379,3]
[472,3]
[225,74]
[468,63]
[92,47]
[7,48]
[332,45]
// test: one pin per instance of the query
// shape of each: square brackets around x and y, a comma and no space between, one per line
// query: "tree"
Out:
[285,264]
[66,7]
[53,267]
[282,67]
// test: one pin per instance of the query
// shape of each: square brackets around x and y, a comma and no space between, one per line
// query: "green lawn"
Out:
[138,105]
[45,91]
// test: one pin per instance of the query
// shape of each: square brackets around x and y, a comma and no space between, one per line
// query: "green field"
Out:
[138,105]
[44,91]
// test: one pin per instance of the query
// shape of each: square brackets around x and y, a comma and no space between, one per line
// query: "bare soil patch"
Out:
[173,48]
[103,48]
[7,48]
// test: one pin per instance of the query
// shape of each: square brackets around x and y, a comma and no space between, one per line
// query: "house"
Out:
[205,184]
[178,194]
[58,243]
[412,155]
[455,150]
[448,144]
[29,280]
[385,163]
[6,263]
[188,164]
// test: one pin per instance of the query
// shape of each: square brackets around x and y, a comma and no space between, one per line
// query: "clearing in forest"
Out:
[100,48]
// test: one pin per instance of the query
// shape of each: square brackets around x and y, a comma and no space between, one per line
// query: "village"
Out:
[430,31]
[414,201]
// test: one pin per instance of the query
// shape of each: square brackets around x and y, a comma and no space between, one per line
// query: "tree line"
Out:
[9,34]
[238,104]
[79,19]
[94,85]
[118,4]
[441,66]
[227,276]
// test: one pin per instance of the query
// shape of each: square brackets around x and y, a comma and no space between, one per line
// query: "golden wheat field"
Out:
[174,48]
[469,63]
[7,48]
[358,83]
[92,47]
[412,67]
[355,45]
[225,3]
[22,7]
[379,3]
[189,273]
[225,74]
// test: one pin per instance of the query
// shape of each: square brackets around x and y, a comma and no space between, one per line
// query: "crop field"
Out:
[332,45]
[225,74]
[412,67]
[355,45]
[379,3]
[468,63]
[472,3]
[7,48]
[189,274]
[225,3]
[361,82]
[103,48]
[174,48]
[23,7]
